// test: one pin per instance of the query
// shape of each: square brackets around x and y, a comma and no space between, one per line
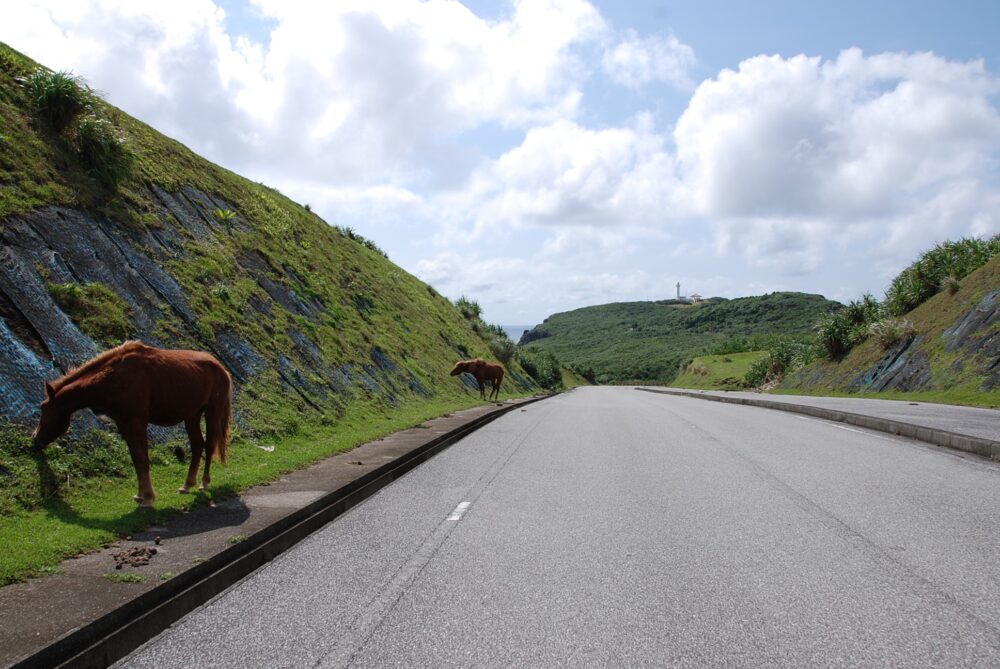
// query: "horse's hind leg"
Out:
[193,426]
[134,433]
[210,439]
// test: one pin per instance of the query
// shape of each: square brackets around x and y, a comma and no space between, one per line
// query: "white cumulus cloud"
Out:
[360,92]
[565,174]
[788,154]
[635,61]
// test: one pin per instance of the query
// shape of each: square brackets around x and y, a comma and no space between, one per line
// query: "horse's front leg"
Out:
[134,433]
[193,426]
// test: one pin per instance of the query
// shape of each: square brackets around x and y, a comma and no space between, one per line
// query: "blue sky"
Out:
[545,155]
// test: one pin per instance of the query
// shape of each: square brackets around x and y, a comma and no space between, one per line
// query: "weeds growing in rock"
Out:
[103,152]
[225,216]
[96,309]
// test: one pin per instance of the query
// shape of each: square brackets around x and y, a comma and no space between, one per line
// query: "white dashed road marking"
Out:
[459,511]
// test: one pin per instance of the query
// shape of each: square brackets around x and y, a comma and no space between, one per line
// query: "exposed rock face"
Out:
[976,335]
[39,342]
[533,335]
[902,368]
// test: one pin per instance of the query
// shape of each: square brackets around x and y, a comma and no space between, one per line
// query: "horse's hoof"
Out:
[146,504]
[183,490]
[203,487]
[137,499]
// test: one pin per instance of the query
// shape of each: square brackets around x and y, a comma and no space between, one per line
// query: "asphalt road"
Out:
[613,527]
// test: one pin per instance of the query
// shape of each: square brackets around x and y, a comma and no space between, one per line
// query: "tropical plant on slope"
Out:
[940,267]
[839,332]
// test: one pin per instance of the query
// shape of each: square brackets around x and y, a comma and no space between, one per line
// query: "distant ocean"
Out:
[515,331]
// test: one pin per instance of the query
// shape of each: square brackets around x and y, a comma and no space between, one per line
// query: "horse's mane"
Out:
[95,363]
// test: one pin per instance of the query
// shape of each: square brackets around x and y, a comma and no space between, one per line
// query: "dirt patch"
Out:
[136,556]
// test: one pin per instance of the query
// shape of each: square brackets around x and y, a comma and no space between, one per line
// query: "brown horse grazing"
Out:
[483,371]
[136,385]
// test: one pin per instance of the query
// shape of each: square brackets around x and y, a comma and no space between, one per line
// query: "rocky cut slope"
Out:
[953,347]
[310,319]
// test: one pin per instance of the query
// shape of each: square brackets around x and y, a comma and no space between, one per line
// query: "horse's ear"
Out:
[50,391]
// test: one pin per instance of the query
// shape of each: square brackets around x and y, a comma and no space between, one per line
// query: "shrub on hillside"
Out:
[542,366]
[755,342]
[470,309]
[58,98]
[503,348]
[784,357]
[697,368]
[103,152]
[891,331]
[941,267]
[756,375]
[355,236]
[839,332]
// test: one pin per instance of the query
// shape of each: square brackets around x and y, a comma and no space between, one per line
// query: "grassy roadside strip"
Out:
[83,517]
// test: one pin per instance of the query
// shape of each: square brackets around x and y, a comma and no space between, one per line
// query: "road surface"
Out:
[613,527]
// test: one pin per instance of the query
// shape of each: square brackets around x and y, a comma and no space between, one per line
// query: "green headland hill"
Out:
[650,341]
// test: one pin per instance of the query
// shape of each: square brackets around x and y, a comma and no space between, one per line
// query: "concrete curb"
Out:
[116,634]
[961,442]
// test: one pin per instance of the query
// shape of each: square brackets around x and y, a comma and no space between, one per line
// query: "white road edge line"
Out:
[459,511]
[844,427]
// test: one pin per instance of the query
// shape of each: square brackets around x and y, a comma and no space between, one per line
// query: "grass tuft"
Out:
[58,98]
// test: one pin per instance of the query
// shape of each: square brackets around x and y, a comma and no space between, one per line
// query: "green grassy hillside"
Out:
[717,372]
[111,231]
[951,356]
[649,341]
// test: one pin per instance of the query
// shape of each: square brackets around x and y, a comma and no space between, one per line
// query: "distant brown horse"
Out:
[483,371]
[136,385]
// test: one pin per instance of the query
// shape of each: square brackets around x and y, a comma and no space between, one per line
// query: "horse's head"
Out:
[53,422]
[470,366]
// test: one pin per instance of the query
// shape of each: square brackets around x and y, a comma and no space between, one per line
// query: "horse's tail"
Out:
[219,416]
